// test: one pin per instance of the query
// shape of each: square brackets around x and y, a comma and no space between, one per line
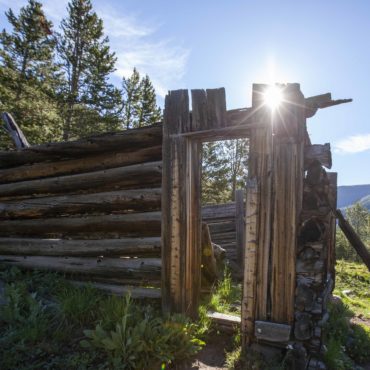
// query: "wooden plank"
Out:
[288,171]
[272,332]
[84,164]
[260,166]
[199,109]
[127,140]
[223,133]
[81,247]
[319,153]
[11,127]
[121,290]
[122,201]
[136,224]
[224,322]
[209,263]
[217,212]
[134,176]
[216,108]
[104,267]
[222,227]
[240,225]
[250,263]
[176,109]
[181,233]
[332,198]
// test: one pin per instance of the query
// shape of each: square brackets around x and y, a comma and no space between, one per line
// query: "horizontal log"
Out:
[319,153]
[108,202]
[136,224]
[137,175]
[127,140]
[80,165]
[224,322]
[65,247]
[151,281]
[109,267]
[119,290]
[214,213]
[230,236]
[222,227]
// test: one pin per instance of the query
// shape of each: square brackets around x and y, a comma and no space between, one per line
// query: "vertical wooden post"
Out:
[240,225]
[288,168]
[333,179]
[250,263]
[258,218]
[181,226]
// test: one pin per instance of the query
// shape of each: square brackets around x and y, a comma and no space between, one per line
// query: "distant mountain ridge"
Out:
[349,195]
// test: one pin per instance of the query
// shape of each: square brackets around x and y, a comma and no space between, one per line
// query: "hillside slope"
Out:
[348,195]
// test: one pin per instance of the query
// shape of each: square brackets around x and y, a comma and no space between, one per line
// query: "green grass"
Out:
[348,343]
[47,323]
[226,296]
[353,286]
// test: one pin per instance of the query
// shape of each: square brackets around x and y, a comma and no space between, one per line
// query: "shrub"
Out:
[358,344]
[141,340]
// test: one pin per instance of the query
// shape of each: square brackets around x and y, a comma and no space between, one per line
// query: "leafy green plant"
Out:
[335,357]
[24,312]
[138,344]
[358,345]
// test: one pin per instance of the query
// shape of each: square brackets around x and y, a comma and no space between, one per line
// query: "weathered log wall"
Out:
[89,208]
[65,205]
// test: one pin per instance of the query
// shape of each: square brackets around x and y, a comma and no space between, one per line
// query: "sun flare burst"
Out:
[273,97]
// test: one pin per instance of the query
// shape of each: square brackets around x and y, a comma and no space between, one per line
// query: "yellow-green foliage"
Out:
[226,297]
[352,284]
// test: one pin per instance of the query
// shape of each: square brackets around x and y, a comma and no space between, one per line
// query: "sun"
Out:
[273,97]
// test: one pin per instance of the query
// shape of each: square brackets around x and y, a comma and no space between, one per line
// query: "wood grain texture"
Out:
[104,267]
[136,224]
[288,167]
[87,163]
[261,159]
[135,176]
[240,225]
[250,263]
[81,247]
[127,140]
[122,201]
[119,290]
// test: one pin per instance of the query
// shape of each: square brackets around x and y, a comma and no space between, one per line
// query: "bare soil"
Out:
[212,356]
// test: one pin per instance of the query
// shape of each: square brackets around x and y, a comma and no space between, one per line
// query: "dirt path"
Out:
[212,356]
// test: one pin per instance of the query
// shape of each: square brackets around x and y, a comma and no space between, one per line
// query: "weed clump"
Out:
[48,323]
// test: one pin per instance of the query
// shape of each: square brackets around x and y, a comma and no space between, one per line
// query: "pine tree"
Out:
[139,102]
[215,183]
[28,75]
[224,169]
[236,153]
[131,95]
[148,112]
[90,103]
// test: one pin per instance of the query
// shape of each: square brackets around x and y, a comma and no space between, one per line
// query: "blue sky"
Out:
[323,45]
